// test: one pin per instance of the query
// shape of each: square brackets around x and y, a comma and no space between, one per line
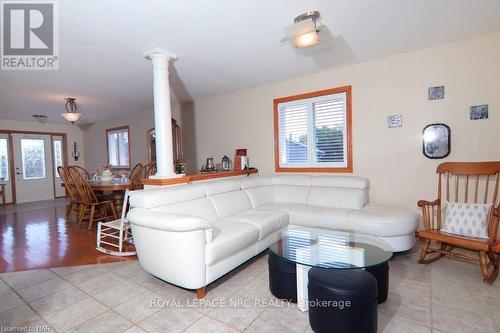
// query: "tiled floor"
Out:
[447,296]
[37,235]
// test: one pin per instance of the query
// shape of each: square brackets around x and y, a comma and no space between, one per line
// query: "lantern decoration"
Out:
[225,163]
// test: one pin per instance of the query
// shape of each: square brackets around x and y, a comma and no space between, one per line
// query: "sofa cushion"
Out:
[340,181]
[290,194]
[230,203]
[255,181]
[267,221]
[337,197]
[261,195]
[165,196]
[199,207]
[385,221]
[297,180]
[229,237]
[313,216]
[217,186]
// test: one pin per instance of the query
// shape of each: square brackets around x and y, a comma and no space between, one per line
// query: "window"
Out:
[33,158]
[118,147]
[312,132]
[4,160]
[58,157]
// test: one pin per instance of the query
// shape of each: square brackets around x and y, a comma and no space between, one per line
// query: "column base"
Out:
[175,175]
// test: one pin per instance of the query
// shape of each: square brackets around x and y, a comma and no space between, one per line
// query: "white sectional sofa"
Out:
[192,234]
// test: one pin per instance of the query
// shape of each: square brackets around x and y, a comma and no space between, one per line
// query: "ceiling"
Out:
[222,46]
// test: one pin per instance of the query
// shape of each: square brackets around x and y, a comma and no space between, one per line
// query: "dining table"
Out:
[115,186]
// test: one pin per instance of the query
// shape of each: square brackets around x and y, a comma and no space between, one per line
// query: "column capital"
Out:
[159,53]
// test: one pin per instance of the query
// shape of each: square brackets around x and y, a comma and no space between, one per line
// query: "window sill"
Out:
[347,169]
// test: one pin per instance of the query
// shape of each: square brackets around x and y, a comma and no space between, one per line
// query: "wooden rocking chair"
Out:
[466,182]
[115,233]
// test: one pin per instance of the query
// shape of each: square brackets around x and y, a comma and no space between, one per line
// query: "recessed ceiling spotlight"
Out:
[304,30]
[41,118]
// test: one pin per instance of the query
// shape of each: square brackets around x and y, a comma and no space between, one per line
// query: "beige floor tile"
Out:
[67,270]
[170,320]
[236,315]
[4,288]
[491,290]
[460,299]
[9,301]
[451,320]
[207,325]
[129,269]
[43,289]
[135,329]
[107,322]
[99,283]
[396,325]
[417,312]
[286,319]
[86,273]
[410,270]
[21,280]
[58,301]
[119,293]
[23,316]
[75,314]
[140,307]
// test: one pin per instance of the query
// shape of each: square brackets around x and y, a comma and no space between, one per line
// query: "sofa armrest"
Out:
[166,221]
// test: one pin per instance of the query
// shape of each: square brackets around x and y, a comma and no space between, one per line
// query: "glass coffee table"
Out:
[299,249]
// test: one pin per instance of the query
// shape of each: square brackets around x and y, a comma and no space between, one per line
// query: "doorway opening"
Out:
[28,165]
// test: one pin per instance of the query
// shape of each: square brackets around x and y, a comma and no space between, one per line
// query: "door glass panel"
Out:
[58,160]
[4,160]
[33,158]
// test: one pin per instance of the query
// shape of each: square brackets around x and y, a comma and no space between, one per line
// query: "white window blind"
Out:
[118,152]
[313,132]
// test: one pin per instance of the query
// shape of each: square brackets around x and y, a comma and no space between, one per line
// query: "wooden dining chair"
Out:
[90,207]
[469,184]
[135,177]
[80,170]
[148,170]
[70,187]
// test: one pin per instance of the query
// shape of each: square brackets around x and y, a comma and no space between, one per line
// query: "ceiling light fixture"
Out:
[304,30]
[72,113]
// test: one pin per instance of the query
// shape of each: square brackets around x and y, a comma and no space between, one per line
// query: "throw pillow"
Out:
[467,219]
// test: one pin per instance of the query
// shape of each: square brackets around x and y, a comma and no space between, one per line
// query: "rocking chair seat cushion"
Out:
[467,219]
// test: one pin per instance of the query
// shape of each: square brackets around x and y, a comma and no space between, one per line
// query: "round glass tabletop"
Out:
[331,248]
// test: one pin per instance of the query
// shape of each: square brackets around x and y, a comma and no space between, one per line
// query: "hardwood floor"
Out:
[37,235]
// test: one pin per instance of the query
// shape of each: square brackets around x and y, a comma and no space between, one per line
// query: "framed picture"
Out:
[477,112]
[435,93]
[395,121]
[436,141]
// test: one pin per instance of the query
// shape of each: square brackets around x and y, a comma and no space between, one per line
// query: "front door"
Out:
[33,167]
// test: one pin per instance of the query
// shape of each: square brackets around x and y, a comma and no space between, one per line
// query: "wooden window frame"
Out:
[349,168]
[114,129]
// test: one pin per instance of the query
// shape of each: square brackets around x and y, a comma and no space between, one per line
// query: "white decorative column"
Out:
[162,112]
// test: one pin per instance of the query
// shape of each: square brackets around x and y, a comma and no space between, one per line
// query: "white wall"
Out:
[391,158]
[139,124]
